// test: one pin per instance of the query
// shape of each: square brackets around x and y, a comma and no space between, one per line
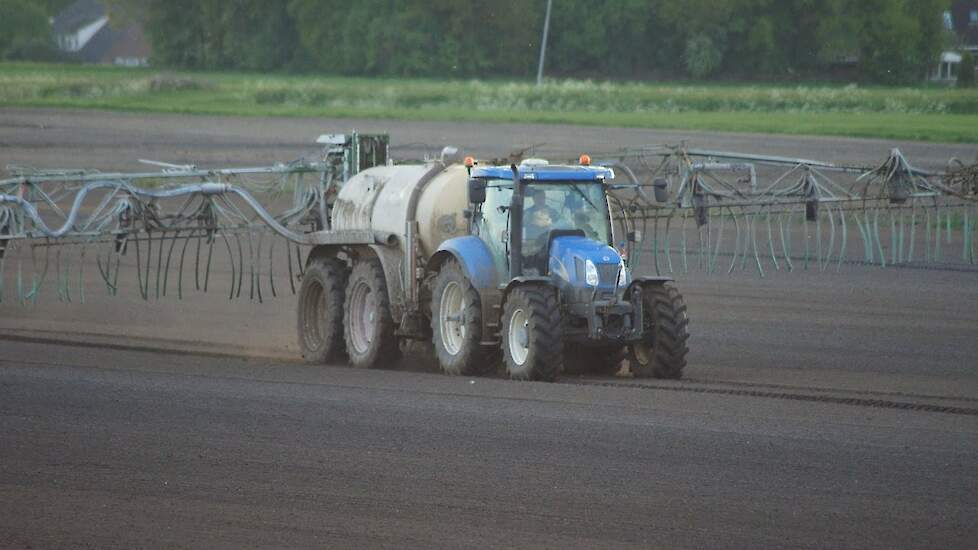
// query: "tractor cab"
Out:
[538,278]
[527,214]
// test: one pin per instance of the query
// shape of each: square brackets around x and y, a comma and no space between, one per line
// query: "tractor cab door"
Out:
[492,224]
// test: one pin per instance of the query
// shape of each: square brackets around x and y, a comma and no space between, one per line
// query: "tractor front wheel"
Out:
[532,342]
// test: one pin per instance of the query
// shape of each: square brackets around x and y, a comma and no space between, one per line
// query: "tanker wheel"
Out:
[456,323]
[368,326]
[320,312]
[600,360]
[531,334]
[662,352]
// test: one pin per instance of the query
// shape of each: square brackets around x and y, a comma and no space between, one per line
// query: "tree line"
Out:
[882,41]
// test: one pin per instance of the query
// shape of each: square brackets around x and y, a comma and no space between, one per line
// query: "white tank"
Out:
[380,200]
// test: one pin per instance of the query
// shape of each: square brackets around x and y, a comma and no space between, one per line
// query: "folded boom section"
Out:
[675,209]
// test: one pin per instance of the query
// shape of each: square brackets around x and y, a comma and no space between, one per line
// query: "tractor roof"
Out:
[547,172]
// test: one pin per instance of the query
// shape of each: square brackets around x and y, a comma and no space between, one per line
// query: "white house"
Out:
[84,32]
[961,22]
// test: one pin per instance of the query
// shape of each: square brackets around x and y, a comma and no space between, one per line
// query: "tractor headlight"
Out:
[591,273]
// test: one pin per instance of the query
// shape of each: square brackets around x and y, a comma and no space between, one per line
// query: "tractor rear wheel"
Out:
[456,323]
[367,322]
[662,352]
[531,334]
[320,311]
[600,360]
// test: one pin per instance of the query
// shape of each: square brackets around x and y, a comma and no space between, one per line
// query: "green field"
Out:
[925,114]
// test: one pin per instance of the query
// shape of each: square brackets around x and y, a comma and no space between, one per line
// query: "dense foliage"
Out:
[886,41]
[52,7]
[24,31]
[966,71]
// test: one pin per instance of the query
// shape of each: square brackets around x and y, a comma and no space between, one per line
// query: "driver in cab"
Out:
[540,220]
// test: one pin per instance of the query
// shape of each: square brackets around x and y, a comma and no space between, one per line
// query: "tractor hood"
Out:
[581,262]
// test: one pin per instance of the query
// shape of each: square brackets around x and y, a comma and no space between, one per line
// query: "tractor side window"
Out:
[493,225]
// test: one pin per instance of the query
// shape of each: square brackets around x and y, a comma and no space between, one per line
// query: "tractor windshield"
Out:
[564,205]
[548,207]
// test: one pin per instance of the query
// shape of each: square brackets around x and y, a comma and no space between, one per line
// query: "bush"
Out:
[24,30]
[702,57]
[173,83]
[37,49]
[966,71]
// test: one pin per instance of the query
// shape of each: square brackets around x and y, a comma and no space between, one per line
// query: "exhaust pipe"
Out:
[516,227]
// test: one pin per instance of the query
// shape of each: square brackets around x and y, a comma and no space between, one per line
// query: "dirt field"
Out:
[54,138]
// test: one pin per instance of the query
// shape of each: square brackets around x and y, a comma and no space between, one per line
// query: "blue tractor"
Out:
[539,280]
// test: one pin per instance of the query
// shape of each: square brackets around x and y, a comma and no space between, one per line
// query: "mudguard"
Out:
[525,280]
[477,263]
[392,259]
[475,258]
[639,281]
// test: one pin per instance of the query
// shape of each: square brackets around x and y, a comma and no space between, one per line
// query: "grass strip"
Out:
[919,114]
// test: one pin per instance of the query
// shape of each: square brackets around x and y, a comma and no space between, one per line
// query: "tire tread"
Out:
[331,274]
[474,359]
[670,325]
[547,354]
[385,347]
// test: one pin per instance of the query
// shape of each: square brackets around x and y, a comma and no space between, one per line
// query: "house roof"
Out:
[964,28]
[109,42]
[77,15]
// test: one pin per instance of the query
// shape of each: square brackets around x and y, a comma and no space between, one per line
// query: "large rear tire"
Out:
[456,323]
[600,360]
[662,353]
[532,342]
[320,311]
[367,322]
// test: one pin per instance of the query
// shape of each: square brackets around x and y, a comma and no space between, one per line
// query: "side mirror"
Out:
[477,191]
[661,189]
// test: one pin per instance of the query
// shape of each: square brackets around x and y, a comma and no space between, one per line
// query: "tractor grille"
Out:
[608,273]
